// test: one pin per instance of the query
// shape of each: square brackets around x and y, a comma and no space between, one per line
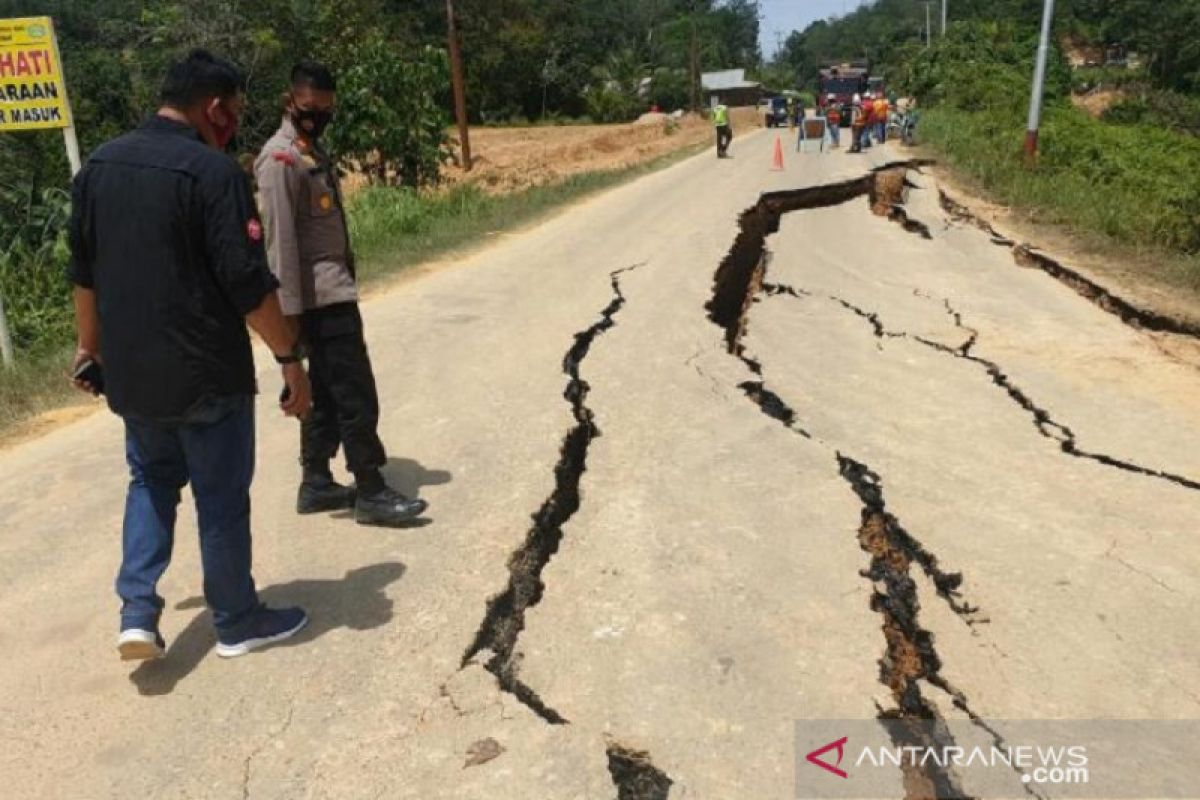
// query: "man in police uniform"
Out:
[309,249]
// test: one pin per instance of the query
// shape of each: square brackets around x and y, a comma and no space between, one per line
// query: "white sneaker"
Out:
[135,644]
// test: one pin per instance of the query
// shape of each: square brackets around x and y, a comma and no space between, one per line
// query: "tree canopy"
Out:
[1164,34]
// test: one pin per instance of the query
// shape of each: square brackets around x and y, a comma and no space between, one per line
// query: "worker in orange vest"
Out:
[881,117]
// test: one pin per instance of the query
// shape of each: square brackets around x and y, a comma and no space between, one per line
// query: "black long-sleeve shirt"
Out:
[165,230]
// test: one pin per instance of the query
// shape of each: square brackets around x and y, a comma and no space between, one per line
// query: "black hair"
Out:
[313,75]
[200,75]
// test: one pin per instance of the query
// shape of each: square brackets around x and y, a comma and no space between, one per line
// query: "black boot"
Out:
[320,492]
[387,508]
[379,504]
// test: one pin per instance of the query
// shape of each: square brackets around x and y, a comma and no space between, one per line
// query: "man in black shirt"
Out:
[168,267]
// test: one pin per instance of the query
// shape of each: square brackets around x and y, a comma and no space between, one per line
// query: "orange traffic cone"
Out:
[777,164]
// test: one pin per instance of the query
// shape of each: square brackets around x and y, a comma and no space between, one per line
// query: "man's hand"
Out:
[81,357]
[297,397]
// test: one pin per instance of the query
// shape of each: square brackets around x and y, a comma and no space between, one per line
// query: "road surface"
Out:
[670,516]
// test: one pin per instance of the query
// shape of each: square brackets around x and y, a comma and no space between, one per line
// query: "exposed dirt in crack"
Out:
[741,276]
[1131,315]
[635,776]
[741,272]
[1025,255]
[745,268]
[505,616]
[910,656]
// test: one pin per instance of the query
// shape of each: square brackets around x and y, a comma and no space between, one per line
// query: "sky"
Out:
[781,17]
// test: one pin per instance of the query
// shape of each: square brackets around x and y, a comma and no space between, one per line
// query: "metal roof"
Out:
[726,79]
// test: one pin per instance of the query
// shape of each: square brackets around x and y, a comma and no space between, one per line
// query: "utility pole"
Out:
[6,348]
[695,60]
[928,27]
[1039,85]
[944,3]
[460,89]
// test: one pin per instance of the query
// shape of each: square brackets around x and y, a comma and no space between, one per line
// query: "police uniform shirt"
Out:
[307,240]
[165,231]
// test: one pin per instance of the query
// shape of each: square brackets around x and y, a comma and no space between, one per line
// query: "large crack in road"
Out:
[1026,255]
[635,776]
[633,773]
[909,655]
[740,277]
[505,616]
[1043,421]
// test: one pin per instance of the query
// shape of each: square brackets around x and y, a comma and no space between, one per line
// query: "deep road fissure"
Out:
[1025,255]
[909,655]
[633,773]
[504,618]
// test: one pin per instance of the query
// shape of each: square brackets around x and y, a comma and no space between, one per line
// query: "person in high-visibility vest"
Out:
[833,116]
[858,124]
[720,115]
[882,110]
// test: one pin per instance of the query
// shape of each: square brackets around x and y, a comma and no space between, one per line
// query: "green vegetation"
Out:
[389,119]
[1127,179]
[527,58]
[37,383]
[1127,182]
[33,263]
[543,60]
[885,32]
[394,228]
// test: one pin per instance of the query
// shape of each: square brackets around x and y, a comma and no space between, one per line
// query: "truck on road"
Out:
[843,81]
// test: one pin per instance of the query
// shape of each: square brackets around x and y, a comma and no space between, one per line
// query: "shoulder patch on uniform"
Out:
[254,230]
[284,157]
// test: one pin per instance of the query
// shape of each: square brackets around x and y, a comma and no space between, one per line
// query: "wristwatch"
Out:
[298,354]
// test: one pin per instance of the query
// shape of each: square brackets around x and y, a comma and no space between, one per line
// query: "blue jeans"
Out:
[217,456]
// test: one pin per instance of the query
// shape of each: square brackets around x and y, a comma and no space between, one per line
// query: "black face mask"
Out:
[312,121]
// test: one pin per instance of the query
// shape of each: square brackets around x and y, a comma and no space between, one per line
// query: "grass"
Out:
[392,229]
[1130,186]
[36,383]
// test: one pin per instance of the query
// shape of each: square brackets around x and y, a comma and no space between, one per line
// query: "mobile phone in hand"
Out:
[92,374]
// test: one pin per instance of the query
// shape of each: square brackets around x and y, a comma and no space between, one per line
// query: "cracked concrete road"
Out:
[698,575]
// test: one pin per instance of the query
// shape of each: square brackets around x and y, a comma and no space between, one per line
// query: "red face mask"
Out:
[224,133]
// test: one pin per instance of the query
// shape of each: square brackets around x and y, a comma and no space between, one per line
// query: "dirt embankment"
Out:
[511,159]
[1098,101]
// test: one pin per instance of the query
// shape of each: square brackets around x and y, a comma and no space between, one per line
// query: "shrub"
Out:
[1164,109]
[610,103]
[33,258]
[390,116]
[1129,182]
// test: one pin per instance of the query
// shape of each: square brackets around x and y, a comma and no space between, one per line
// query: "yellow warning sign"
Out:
[33,94]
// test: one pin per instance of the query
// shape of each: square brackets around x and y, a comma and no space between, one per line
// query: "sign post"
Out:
[33,96]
